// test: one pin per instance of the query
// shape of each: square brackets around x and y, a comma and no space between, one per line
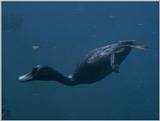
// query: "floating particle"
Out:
[140,24]
[111,17]
[35,47]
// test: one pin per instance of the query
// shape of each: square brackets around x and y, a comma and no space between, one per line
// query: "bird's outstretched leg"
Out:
[114,66]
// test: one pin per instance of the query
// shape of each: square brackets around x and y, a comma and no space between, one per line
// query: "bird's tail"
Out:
[134,44]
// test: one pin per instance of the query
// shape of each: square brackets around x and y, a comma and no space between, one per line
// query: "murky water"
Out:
[58,34]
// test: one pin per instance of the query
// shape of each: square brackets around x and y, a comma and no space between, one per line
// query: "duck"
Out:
[94,66]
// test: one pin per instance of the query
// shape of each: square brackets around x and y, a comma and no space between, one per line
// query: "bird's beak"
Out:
[26,77]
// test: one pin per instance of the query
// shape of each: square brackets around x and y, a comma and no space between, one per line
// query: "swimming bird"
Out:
[95,66]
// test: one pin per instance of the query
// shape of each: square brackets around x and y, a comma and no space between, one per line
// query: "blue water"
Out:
[59,34]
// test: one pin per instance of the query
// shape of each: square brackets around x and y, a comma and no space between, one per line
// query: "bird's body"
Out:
[96,65]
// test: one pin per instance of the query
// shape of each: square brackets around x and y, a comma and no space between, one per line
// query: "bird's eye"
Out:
[34,70]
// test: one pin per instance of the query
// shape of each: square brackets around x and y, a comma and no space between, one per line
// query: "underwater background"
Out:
[59,34]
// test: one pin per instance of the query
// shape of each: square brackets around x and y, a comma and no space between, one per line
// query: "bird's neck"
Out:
[67,81]
[57,76]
